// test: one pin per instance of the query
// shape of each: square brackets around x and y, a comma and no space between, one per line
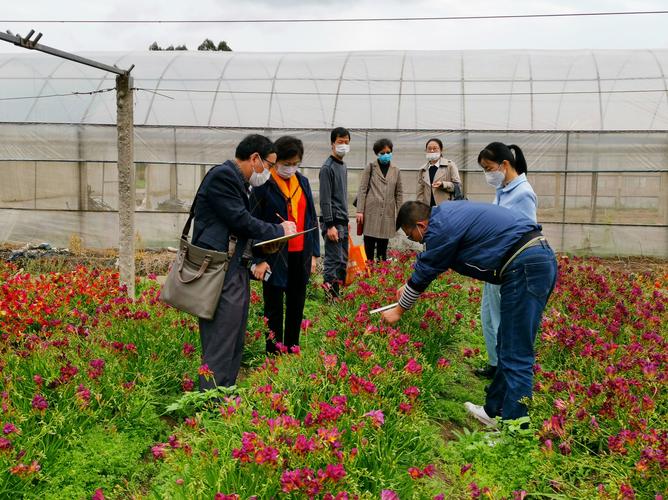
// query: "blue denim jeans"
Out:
[527,284]
[490,317]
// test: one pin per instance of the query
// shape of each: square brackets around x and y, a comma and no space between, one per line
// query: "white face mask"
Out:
[495,179]
[433,156]
[286,171]
[342,149]
[256,180]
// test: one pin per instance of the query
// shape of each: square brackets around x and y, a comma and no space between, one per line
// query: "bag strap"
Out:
[191,215]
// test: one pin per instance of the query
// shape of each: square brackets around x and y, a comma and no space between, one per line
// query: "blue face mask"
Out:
[385,158]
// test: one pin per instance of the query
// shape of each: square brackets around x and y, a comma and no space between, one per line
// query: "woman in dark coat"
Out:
[286,196]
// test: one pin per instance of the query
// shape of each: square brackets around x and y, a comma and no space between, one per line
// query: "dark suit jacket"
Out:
[267,201]
[223,208]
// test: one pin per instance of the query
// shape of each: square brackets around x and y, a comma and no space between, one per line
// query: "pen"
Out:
[279,216]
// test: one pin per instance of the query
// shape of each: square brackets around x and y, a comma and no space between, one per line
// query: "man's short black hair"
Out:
[411,213]
[288,147]
[381,144]
[338,132]
[254,143]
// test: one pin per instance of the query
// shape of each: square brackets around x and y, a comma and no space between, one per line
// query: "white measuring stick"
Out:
[384,308]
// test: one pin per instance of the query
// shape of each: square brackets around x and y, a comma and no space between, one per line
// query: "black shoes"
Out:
[488,372]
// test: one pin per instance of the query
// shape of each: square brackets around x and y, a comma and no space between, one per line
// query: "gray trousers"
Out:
[223,336]
[336,256]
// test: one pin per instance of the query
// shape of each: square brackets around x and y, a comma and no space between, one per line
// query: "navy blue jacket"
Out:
[223,208]
[470,238]
[267,201]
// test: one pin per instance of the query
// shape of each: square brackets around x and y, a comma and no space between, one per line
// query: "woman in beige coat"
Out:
[378,200]
[438,179]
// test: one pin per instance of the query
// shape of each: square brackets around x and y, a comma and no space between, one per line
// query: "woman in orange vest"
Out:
[286,196]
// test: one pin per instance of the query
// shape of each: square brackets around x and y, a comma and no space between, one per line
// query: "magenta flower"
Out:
[9,428]
[389,495]
[413,367]
[39,403]
[98,495]
[188,349]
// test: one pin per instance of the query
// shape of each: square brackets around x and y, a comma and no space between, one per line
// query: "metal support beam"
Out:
[26,43]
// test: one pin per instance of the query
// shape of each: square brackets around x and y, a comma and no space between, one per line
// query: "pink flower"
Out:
[377,417]
[443,363]
[412,392]
[98,495]
[389,495]
[413,367]
[205,371]
[465,468]
[158,451]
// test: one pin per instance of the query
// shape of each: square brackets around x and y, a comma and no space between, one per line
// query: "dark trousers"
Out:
[223,336]
[378,244]
[336,258]
[295,296]
[527,284]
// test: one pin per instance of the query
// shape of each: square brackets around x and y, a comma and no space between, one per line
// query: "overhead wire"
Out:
[335,20]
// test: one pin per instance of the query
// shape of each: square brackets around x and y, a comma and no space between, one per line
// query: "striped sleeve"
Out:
[408,297]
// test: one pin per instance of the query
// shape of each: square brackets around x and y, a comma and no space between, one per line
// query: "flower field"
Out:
[99,395]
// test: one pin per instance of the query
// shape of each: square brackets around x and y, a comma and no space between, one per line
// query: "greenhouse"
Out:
[593,126]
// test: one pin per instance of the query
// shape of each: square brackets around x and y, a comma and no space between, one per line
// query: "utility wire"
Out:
[417,94]
[69,94]
[331,20]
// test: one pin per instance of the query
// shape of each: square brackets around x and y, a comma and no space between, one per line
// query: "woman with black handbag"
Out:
[438,180]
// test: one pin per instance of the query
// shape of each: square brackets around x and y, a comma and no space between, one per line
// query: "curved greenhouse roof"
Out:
[448,90]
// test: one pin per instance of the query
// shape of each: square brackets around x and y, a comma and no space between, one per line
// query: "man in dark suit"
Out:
[223,222]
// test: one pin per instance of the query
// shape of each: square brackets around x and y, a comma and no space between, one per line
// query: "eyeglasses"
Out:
[272,164]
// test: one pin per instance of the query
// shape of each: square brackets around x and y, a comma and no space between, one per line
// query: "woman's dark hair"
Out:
[338,132]
[288,147]
[437,141]
[381,144]
[254,143]
[498,152]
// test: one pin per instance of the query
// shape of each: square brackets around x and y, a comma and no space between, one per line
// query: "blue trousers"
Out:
[490,318]
[527,284]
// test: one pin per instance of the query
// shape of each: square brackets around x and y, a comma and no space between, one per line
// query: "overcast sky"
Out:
[640,31]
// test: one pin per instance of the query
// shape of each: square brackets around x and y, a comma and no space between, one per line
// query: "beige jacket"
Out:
[447,173]
[379,199]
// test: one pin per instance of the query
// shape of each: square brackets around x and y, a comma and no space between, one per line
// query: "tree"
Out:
[208,44]
[155,46]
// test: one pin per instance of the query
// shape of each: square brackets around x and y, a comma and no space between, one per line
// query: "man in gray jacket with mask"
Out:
[334,211]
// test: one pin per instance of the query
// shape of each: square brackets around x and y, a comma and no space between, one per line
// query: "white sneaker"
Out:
[480,414]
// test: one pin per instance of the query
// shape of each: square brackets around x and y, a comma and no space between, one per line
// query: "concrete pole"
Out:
[126,181]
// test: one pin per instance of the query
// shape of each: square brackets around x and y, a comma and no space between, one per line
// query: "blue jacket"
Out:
[267,201]
[470,238]
[518,195]
[223,208]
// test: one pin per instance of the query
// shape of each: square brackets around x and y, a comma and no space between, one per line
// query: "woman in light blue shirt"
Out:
[506,172]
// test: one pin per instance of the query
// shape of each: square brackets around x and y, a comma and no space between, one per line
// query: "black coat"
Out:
[267,201]
[223,208]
